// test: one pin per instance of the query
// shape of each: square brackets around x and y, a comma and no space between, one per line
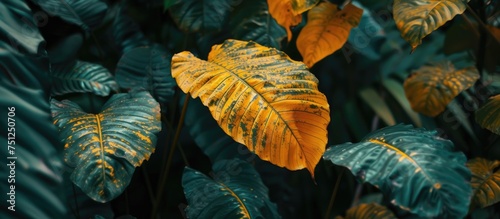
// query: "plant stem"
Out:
[148,184]
[76,202]
[164,174]
[334,194]
[357,194]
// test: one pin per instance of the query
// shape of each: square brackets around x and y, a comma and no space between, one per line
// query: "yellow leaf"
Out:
[368,211]
[488,116]
[262,99]
[326,31]
[485,181]
[430,88]
[288,12]
[418,18]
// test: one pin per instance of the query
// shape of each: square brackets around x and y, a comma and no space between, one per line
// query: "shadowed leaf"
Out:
[127,34]
[418,18]
[201,15]
[86,14]
[485,181]
[251,21]
[235,192]
[104,148]
[288,12]
[417,170]
[326,31]
[83,77]
[430,88]
[488,116]
[148,68]
[368,211]
[261,98]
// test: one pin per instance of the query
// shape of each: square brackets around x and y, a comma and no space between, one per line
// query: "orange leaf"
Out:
[326,31]
[288,12]
[262,99]
[430,88]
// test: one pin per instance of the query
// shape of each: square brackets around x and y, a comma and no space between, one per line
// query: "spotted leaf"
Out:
[415,169]
[235,192]
[103,149]
[488,116]
[485,181]
[418,18]
[430,88]
[261,98]
[326,31]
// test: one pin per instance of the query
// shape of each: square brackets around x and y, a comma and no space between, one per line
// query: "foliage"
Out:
[120,77]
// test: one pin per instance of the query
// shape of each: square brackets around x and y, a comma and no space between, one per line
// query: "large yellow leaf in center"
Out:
[262,99]
[326,31]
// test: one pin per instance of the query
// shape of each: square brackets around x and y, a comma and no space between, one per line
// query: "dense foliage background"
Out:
[132,43]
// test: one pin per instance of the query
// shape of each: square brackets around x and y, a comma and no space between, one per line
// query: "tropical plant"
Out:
[250,109]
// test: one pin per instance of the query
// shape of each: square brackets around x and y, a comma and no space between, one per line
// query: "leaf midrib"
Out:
[243,207]
[101,146]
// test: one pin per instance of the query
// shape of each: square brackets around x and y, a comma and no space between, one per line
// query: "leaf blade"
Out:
[488,115]
[326,31]
[485,182]
[413,167]
[251,89]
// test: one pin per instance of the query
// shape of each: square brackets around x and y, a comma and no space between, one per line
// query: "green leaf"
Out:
[368,211]
[417,170]
[104,148]
[148,68]
[127,34]
[16,20]
[418,18]
[373,99]
[485,181]
[431,87]
[86,14]
[168,3]
[251,21]
[202,15]
[38,168]
[235,192]
[488,116]
[82,77]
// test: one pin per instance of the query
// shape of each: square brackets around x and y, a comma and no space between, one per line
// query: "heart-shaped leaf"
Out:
[83,77]
[251,21]
[288,12]
[127,34]
[431,87]
[418,18]
[235,192]
[326,31]
[485,181]
[148,68]
[261,98]
[368,211]
[417,170]
[488,116]
[86,14]
[104,148]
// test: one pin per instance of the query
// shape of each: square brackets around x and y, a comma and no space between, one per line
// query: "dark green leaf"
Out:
[38,167]
[251,21]
[202,15]
[86,14]
[235,192]
[375,101]
[17,27]
[127,34]
[104,148]
[148,68]
[417,170]
[82,77]
[168,3]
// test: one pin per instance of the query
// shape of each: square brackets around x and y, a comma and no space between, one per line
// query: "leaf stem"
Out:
[164,174]
[148,184]
[334,194]
[76,201]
